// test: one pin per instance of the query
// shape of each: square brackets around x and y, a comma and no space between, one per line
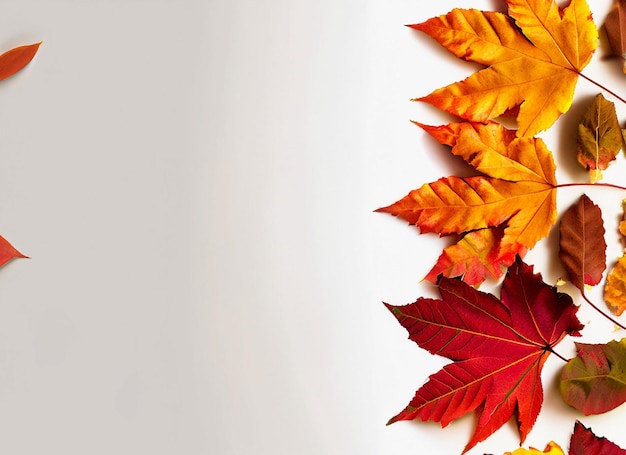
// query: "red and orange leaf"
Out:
[8,252]
[599,137]
[615,288]
[594,382]
[584,442]
[474,257]
[533,57]
[17,58]
[498,348]
[582,247]
[516,193]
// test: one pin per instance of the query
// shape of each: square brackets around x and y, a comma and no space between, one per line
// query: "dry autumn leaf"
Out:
[501,214]
[17,58]
[533,57]
[8,252]
[582,247]
[599,137]
[498,346]
[585,442]
[615,26]
[594,381]
[615,288]
[551,449]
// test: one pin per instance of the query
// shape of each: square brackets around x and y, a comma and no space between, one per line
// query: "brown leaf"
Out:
[582,247]
[615,26]
[599,137]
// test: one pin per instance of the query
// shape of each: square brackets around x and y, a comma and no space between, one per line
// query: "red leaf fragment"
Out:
[585,442]
[498,348]
[8,252]
[17,58]
[582,246]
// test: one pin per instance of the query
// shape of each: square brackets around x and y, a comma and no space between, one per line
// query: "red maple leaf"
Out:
[498,348]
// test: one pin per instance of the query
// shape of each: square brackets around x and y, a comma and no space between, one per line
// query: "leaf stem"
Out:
[603,184]
[558,355]
[602,312]
[603,88]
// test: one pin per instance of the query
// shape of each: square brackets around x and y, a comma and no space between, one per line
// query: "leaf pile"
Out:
[532,57]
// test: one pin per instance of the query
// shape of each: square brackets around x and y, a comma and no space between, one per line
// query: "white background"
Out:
[194,182]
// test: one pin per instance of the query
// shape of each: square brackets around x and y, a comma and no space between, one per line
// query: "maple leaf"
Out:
[498,348]
[585,442]
[599,137]
[515,199]
[594,381]
[551,449]
[533,57]
[582,247]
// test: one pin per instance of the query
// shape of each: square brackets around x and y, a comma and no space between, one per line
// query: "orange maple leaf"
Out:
[534,57]
[501,214]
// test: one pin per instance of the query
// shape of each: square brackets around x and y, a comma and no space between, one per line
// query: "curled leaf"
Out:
[599,137]
[585,442]
[594,381]
[582,247]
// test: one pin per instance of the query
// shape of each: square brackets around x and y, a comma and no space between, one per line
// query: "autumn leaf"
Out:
[17,58]
[615,288]
[8,252]
[514,198]
[615,26]
[585,442]
[551,449]
[582,247]
[594,381]
[533,57]
[498,348]
[599,137]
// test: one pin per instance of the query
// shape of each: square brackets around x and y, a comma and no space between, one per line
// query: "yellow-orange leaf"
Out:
[533,57]
[517,193]
[551,449]
[615,289]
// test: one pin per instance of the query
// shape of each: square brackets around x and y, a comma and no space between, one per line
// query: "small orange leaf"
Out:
[615,288]
[17,58]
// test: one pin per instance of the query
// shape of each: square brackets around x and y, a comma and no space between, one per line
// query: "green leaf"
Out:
[599,137]
[594,382]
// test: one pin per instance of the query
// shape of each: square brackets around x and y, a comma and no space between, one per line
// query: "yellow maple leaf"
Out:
[551,449]
[515,198]
[533,55]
